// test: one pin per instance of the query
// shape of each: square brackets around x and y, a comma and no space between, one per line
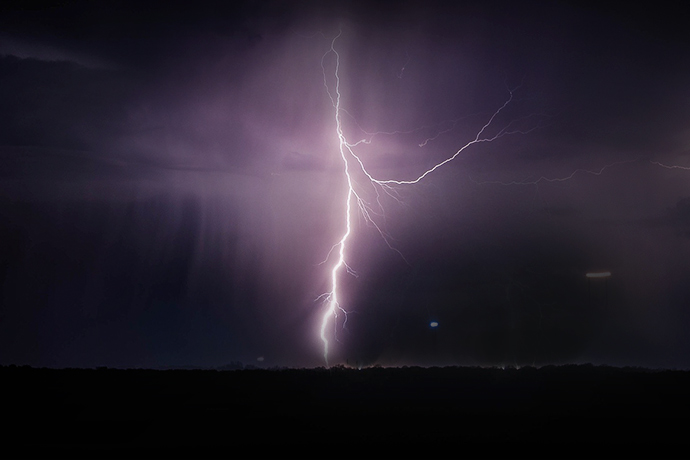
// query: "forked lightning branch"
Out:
[355,198]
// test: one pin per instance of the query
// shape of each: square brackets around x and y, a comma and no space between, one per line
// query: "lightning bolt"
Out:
[536,182]
[579,171]
[656,163]
[355,200]
[332,296]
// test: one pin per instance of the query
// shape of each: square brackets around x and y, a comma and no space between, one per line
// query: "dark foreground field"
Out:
[567,411]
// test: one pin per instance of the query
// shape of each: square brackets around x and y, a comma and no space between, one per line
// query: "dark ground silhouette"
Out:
[564,411]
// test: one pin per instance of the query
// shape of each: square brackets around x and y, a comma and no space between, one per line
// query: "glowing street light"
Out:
[433,327]
[598,275]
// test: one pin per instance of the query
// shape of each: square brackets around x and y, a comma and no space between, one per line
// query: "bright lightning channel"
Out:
[351,197]
[332,296]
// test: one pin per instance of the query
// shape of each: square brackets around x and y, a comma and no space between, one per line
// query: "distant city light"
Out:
[598,274]
[433,324]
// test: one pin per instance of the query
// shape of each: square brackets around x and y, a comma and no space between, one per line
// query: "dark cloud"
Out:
[170,181]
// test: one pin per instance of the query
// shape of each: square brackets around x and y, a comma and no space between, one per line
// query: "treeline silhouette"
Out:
[553,411]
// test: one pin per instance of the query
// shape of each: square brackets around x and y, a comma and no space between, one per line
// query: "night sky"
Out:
[170,183]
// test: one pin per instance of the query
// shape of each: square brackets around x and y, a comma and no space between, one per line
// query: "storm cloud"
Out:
[170,183]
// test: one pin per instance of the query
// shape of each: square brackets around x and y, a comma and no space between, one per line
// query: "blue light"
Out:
[433,324]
